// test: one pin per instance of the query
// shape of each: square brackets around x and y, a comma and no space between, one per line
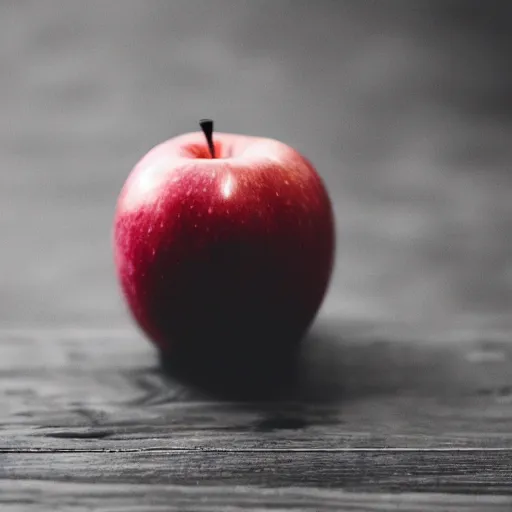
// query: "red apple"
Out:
[224,246]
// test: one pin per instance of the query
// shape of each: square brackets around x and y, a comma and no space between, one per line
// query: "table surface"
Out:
[90,420]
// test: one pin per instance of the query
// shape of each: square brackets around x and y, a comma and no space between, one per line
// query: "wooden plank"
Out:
[92,390]
[42,496]
[472,472]
[373,423]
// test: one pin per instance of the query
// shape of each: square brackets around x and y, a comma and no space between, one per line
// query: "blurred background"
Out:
[405,108]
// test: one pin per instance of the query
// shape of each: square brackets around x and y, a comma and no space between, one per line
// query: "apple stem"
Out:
[207,127]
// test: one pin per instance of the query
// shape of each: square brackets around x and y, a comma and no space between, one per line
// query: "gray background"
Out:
[404,107]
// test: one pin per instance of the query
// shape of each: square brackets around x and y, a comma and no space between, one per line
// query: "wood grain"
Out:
[369,424]
[472,472]
[34,495]
[105,390]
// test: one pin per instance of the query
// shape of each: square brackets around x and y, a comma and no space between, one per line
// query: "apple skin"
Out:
[226,257]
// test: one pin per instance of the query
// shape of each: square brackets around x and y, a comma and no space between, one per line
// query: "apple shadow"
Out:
[337,366]
[326,367]
[230,377]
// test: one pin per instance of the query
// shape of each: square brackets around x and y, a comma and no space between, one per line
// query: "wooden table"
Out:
[376,420]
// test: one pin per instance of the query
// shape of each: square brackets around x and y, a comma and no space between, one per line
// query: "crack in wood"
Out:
[171,450]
